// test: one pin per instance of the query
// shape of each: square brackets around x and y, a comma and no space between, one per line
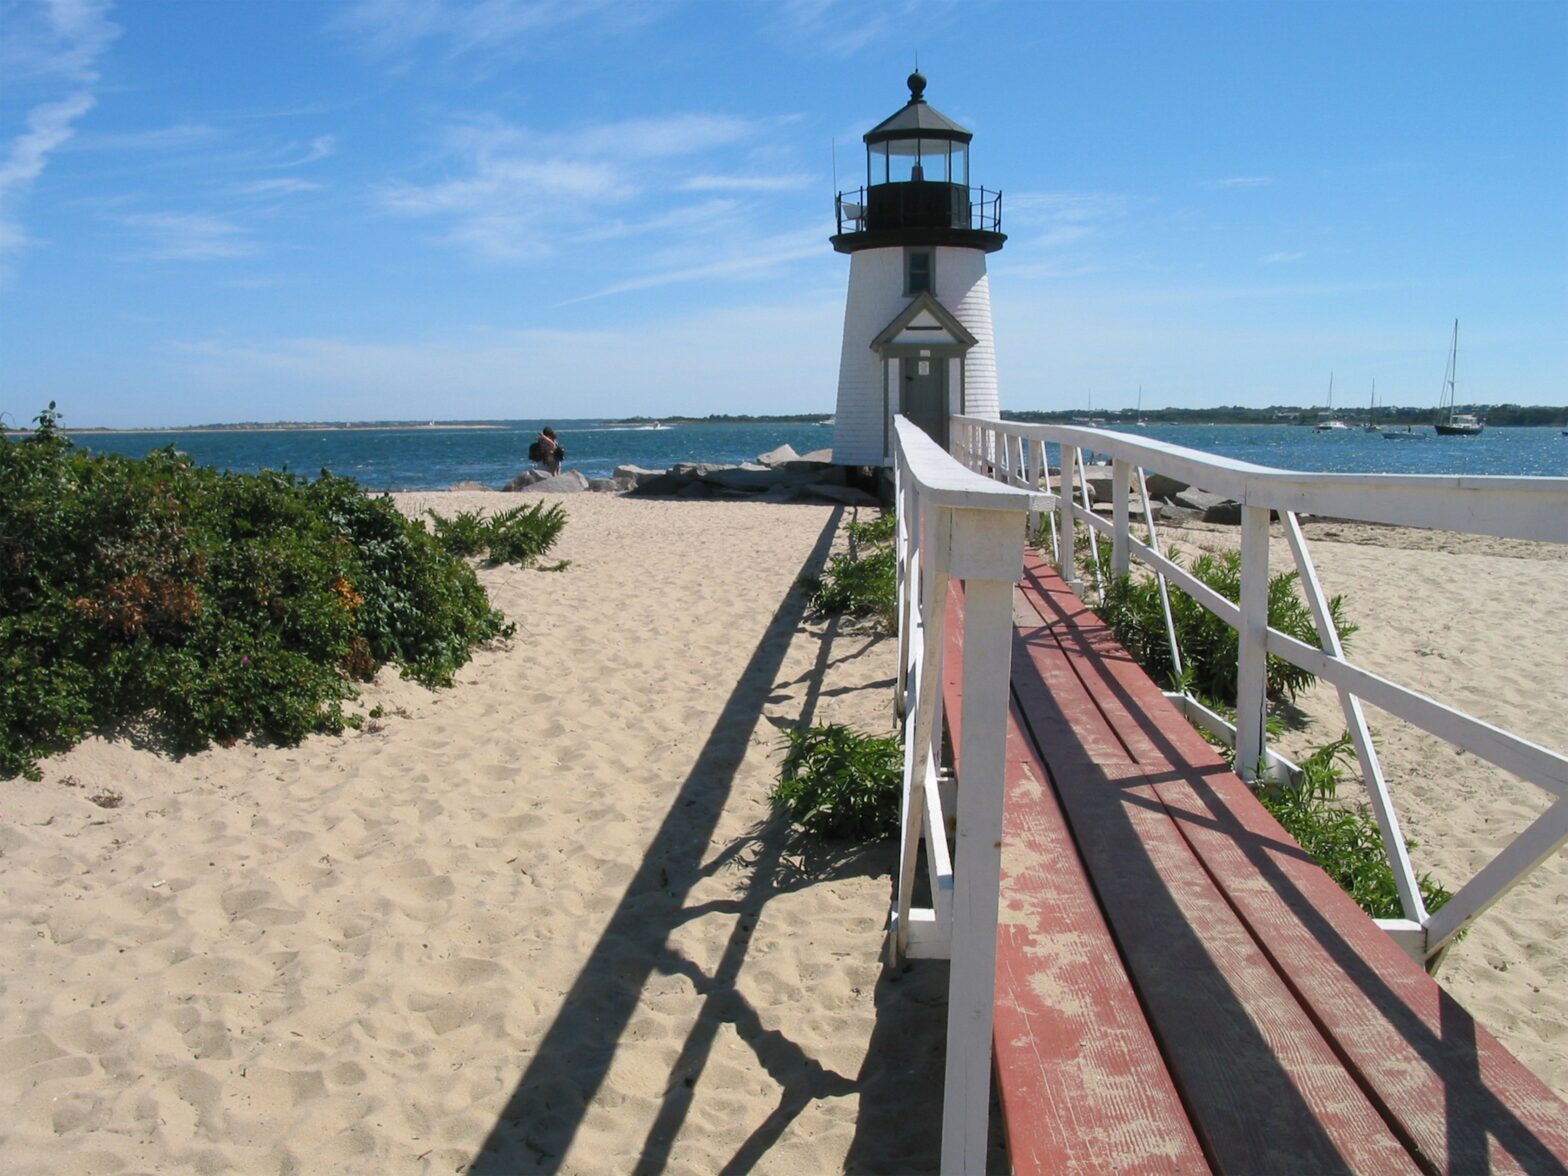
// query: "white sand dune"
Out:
[544,920]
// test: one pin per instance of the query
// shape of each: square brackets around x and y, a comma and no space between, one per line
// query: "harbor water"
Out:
[435,457]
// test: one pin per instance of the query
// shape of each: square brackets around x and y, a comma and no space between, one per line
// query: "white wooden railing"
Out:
[954,523]
[1521,508]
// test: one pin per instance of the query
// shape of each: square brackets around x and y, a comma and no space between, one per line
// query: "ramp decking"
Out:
[1179,988]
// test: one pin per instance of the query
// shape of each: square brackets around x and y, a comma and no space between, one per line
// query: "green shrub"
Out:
[464,534]
[1347,843]
[862,582]
[836,782]
[523,534]
[189,606]
[519,535]
[1209,646]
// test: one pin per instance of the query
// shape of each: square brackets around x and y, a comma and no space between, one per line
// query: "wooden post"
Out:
[1066,530]
[988,555]
[1121,481]
[1251,668]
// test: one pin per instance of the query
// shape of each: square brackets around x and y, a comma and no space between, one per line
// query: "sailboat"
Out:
[1451,423]
[1140,422]
[1327,421]
[1371,425]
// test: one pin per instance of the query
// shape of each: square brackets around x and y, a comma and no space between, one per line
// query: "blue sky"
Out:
[415,209]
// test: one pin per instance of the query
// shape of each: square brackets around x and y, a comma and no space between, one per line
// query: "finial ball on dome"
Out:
[917,86]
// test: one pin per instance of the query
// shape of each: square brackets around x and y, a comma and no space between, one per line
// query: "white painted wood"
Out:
[1279,768]
[1066,529]
[1541,838]
[1394,849]
[1253,644]
[1121,484]
[1530,761]
[939,861]
[924,941]
[970,527]
[978,858]
[1514,508]
[1525,508]
[1165,595]
[1409,935]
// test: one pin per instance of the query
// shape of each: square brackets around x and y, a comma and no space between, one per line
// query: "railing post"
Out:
[1066,527]
[1252,654]
[987,553]
[1121,482]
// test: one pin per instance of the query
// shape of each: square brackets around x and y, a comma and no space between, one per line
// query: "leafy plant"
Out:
[1209,646]
[155,596]
[524,533]
[837,782]
[862,582]
[1346,842]
[520,535]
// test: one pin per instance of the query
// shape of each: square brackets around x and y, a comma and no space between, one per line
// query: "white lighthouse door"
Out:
[924,399]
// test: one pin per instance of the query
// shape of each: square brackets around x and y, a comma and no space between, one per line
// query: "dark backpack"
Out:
[536,450]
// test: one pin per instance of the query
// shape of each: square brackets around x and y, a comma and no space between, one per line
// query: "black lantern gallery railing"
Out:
[918,205]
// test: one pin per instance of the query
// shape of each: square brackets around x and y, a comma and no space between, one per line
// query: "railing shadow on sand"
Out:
[535,1130]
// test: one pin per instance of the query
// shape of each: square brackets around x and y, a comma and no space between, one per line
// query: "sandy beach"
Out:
[544,920]
[547,921]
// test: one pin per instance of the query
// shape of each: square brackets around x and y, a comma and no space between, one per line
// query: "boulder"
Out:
[524,480]
[746,478]
[815,471]
[611,485]
[1163,486]
[1199,500]
[636,474]
[695,469]
[467,486]
[695,490]
[780,456]
[566,482]
[821,456]
[667,483]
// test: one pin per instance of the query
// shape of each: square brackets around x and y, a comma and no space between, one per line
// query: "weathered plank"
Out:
[1265,1091]
[1455,1096]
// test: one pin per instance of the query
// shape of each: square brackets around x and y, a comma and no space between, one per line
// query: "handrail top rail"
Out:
[1508,506]
[945,482]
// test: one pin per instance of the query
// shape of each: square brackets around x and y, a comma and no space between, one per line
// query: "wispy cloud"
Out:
[489,32]
[709,183]
[754,258]
[521,194]
[320,148]
[176,236]
[1282,257]
[1055,220]
[171,138]
[53,45]
[1242,182]
[842,28]
[284,186]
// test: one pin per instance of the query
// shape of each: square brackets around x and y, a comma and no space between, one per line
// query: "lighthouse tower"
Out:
[917,322]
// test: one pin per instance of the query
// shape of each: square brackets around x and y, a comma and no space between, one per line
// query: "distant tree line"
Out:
[1235,414]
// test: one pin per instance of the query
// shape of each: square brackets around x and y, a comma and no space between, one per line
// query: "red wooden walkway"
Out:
[1179,988]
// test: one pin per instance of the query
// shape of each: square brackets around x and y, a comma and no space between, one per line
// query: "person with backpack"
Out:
[546,452]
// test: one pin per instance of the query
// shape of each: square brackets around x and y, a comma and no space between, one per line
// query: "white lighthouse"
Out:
[917,321]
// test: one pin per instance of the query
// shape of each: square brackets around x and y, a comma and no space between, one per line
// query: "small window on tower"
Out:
[917,271]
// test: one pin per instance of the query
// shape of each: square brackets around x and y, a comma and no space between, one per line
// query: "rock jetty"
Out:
[780,475]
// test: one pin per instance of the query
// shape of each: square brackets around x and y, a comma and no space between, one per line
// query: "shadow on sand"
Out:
[899,1086]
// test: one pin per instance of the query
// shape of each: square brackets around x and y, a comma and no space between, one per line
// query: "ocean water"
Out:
[435,457]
